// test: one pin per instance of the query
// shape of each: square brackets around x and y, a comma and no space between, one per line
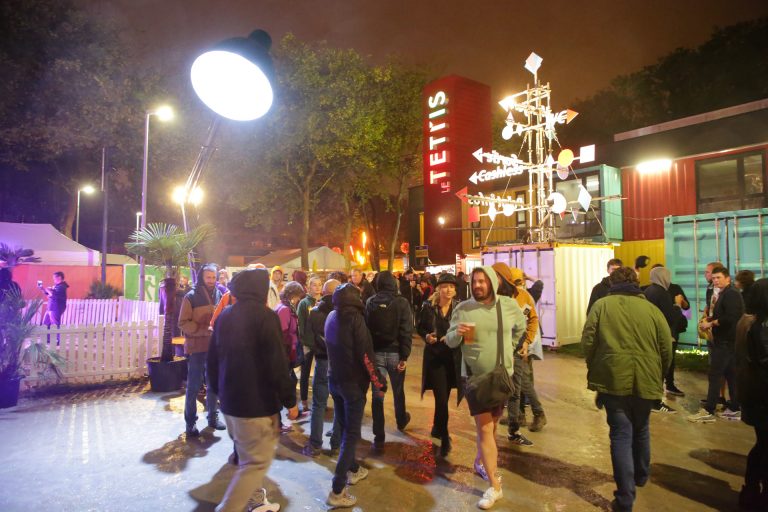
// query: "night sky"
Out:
[584,43]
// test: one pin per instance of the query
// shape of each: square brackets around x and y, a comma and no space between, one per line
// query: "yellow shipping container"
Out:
[627,252]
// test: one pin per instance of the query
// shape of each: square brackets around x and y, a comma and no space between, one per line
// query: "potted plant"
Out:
[16,326]
[166,245]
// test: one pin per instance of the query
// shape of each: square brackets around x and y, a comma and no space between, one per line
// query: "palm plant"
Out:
[168,246]
[16,326]
[12,257]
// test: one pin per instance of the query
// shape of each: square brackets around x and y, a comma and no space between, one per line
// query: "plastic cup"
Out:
[469,336]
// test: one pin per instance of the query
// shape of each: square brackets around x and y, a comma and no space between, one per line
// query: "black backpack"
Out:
[383,322]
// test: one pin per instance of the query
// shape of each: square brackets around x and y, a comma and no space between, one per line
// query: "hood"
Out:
[386,282]
[325,304]
[492,277]
[512,275]
[200,284]
[661,276]
[347,295]
[275,269]
[251,284]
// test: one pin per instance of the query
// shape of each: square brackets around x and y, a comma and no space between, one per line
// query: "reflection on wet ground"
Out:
[124,448]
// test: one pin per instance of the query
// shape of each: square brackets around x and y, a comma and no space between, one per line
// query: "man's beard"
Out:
[476,294]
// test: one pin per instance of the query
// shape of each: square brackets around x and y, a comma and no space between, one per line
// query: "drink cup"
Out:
[469,336]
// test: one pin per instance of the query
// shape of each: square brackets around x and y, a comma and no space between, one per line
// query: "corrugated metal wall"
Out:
[578,268]
[737,239]
[628,252]
[569,271]
[651,197]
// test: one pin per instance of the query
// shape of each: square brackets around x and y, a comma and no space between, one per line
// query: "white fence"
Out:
[99,353]
[81,312]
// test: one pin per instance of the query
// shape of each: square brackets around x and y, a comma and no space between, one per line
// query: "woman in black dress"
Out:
[441,369]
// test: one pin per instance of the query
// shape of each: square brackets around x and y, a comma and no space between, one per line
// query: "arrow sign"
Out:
[473,178]
[462,194]
[495,158]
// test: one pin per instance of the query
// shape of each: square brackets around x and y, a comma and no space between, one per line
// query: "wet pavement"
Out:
[123,448]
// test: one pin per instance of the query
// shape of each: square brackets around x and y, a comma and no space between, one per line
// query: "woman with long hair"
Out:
[441,365]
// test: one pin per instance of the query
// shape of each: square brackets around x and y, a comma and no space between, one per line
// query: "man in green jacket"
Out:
[628,348]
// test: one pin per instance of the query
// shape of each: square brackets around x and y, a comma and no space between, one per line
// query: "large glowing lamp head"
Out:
[233,78]
[88,189]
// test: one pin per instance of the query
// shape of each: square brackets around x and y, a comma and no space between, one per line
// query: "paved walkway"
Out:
[122,449]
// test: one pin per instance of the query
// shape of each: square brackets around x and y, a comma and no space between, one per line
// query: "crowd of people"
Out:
[247,336]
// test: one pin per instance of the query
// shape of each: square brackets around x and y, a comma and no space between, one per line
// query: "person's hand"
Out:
[431,339]
[523,351]
[442,340]
[401,366]
[293,412]
[462,329]
[679,299]
[705,326]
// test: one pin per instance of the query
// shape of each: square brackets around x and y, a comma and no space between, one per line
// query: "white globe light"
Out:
[508,209]
[231,85]
[507,132]
[559,202]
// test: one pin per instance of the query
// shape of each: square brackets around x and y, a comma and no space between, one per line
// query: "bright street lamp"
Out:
[88,189]
[163,113]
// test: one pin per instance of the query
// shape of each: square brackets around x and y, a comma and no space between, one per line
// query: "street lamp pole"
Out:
[163,113]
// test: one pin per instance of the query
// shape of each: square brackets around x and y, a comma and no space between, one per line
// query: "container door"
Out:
[541,264]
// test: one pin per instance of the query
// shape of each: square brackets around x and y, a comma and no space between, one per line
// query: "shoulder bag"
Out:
[492,389]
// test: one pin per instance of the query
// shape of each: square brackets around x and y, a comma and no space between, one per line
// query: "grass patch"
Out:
[693,360]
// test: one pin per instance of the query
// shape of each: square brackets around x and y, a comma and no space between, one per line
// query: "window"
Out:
[476,233]
[731,183]
[583,224]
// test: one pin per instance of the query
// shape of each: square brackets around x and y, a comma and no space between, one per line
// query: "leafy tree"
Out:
[729,69]
[13,257]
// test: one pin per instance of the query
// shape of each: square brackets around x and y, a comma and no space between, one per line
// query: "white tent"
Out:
[321,259]
[49,244]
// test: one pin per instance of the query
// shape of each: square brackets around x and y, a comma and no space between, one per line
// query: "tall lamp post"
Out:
[234,79]
[163,113]
[88,189]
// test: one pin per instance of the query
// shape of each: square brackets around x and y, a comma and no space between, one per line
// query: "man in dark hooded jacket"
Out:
[389,318]
[316,328]
[657,294]
[602,288]
[248,370]
[351,371]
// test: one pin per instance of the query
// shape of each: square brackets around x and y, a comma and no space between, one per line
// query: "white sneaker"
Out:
[703,416]
[354,477]
[341,500]
[730,415]
[489,498]
[264,506]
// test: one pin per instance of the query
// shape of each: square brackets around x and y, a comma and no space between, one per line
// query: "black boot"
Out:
[749,498]
[445,445]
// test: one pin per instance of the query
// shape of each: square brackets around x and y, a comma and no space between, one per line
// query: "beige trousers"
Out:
[255,441]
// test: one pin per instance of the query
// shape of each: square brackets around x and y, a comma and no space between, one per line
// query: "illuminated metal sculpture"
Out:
[530,117]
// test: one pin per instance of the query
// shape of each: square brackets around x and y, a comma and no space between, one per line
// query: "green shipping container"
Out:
[737,239]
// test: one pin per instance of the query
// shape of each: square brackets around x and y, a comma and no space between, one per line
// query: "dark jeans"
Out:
[319,404]
[306,368]
[348,412]
[630,444]
[669,379]
[439,371]
[53,317]
[757,461]
[722,363]
[522,381]
[386,363]
[196,373]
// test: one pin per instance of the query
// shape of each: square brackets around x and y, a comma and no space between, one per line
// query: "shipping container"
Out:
[650,197]
[569,272]
[737,239]
[628,252]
